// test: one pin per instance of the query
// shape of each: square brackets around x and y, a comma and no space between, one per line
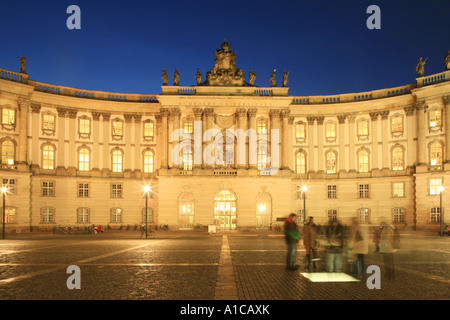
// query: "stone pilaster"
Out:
[374,121]
[421,133]
[341,120]
[384,138]
[284,140]
[252,140]
[24,106]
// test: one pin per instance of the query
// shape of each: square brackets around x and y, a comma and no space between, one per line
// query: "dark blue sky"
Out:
[325,45]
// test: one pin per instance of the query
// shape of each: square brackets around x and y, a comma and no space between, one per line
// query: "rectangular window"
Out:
[435,118]
[332,215]
[116,215]
[47,189]
[332,191]
[117,128]
[398,215]
[189,125]
[434,186]
[149,215]
[398,189]
[8,116]
[10,215]
[363,128]
[299,192]
[330,130]
[116,190]
[83,190]
[85,126]
[397,124]
[300,132]
[48,122]
[148,130]
[363,191]
[435,215]
[262,126]
[82,215]
[48,215]
[10,185]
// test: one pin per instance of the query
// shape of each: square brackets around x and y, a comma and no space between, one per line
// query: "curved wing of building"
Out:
[223,152]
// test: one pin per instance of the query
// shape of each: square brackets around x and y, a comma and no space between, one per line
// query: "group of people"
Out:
[339,240]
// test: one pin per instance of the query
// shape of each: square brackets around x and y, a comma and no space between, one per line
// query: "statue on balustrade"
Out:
[447,60]
[176,78]
[198,76]
[164,77]
[420,68]
[273,80]
[252,77]
[23,64]
[285,78]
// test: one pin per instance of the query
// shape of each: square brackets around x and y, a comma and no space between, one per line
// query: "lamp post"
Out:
[441,216]
[146,190]
[4,190]
[304,189]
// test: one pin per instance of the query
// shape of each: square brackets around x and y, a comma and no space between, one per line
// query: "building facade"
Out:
[223,152]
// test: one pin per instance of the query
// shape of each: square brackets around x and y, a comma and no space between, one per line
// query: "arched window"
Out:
[148,161]
[300,162]
[83,159]
[363,160]
[263,211]
[225,210]
[436,155]
[8,152]
[331,162]
[397,158]
[48,157]
[117,160]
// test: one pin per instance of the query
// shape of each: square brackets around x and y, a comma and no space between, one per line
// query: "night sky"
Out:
[325,45]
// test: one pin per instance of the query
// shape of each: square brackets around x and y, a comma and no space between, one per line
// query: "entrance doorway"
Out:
[225,210]
[186,214]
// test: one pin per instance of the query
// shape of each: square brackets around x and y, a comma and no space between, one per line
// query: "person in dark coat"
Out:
[292,236]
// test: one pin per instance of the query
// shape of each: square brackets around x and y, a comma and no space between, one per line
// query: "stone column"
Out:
[374,118]
[311,158]
[384,139]
[138,134]
[127,138]
[410,131]
[95,155]
[351,138]
[73,156]
[164,140]
[198,138]
[209,115]
[35,148]
[421,133]
[321,156]
[446,112]
[174,137]
[24,105]
[106,138]
[241,139]
[252,140]
[275,155]
[341,120]
[158,130]
[284,140]
[60,166]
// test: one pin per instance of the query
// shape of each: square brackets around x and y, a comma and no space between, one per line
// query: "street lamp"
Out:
[304,189]
[146,190]
[4,190]
[441,217]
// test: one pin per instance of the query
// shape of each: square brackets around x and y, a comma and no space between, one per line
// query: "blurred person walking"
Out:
[334,233]
[359,245]
[389,244]
[309,241]
[292,236]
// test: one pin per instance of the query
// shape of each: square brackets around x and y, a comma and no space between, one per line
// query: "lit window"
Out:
[300,132]
[435,118]
[8,153]
[116,215]
[363,128]
[10,215]
[434,186]
[48,189]
[149,130]
[117,128]
[10,185]
[82,215]
[398,189]
[262,160]
[363,214]
[398,215]
[187,159]
[83,160]
[363,191]
[330,129]
[148,161]
[300,162]
[117,161]
[436,155]
[189,125]
[48,122]
[85,125]
[48,215]
[397,124]
[397,159]
[48,157]
[263,211]
[8,116]
[262,126]
[363,161]
[331,162]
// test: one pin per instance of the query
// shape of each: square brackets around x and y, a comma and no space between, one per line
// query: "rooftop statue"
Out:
[285,78]
[225,72]
[447,60]
[252,77]
[176,78]
[164,77]
[273,80]
[420,68]
[198,76]
[23,64]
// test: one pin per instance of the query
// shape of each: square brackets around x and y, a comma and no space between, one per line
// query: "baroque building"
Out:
[223,152]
